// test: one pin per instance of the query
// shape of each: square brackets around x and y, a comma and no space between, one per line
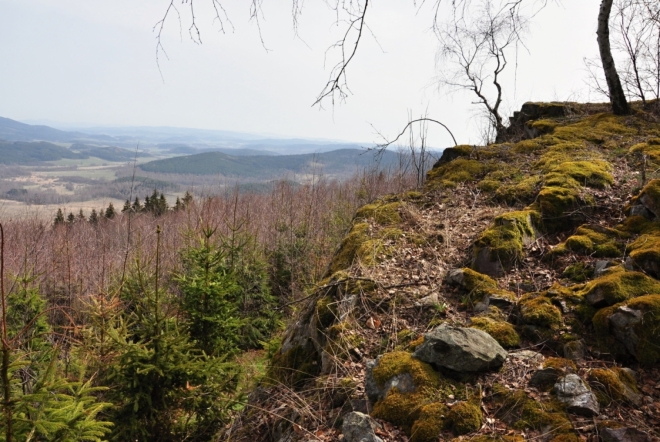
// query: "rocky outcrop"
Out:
[463,350]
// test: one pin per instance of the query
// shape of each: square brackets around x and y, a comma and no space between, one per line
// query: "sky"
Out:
[93,62]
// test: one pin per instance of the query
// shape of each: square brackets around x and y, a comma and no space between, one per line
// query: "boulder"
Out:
[623,434]
[579,399]
[574,350]
[464,350]
[359,427]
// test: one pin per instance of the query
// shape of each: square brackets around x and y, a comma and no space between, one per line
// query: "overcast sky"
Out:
[93,62]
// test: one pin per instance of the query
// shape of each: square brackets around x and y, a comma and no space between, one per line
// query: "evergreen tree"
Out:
[178,205]
[127,206]
[59,217]
[81,215]
[162,205]
[137,207]
[187,199]
[110,211]
[71,218]
[94,217]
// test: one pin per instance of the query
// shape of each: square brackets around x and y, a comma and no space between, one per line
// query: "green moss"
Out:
[564,365]
[617,286]
[458,171]
[528,146]
[400,409]
[488,186]
[522,412]
[595,240]
[561,152]
[295,366]
[645,253]
[326,312]
[554,202]
[464,418]
[647,331]
[596,129]
[539,310]
[429,424]
[399,362]
[522,192]
[349,247]
[594,173]
[501,331]
[611,385]
[477,285]
[508,237]
[578,272]
[383,214]
[545,126]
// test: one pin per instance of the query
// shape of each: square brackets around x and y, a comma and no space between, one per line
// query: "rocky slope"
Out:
[516,298]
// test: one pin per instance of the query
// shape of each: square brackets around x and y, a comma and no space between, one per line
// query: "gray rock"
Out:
[601,267]
[622,323]
[460,349]
[530,357]
[650,204]
[375,392]
[574,350]
[576,395]
[456,276]
[428,301]
[623,434]
[359,427]
[483,263]
[640,210]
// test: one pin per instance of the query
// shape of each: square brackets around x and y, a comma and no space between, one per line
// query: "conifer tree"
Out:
[59,217]
[71,218]
[110,211]
[137,207]
[94,217]
[81,215]
[127,206]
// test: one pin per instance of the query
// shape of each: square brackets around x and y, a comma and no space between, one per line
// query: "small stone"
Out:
[601,267]
[576,395]
[545,377]
[531,357]
[359,427]
[428,301]
[461,349]
[623,434]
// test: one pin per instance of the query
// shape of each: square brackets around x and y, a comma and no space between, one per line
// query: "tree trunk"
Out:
[617,96]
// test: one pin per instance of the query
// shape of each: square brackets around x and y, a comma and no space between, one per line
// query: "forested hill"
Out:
[265,166]
[16,131]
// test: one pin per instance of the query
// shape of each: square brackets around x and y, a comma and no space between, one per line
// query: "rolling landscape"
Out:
[50,168]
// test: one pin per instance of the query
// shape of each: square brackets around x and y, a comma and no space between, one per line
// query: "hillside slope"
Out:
[549,245]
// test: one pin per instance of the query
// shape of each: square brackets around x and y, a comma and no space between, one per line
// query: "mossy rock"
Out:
[555,203]
[501,331]
[636,324]
[596,241]
[464,418]
[326,312]
[614,385]
[430,423]
[381,213]
[618,285]
[559,152]
[578,272]
[505,241]
[649,197]
[538,310]
[522,192]
[596,129]
[458,171]
[404,408]
[520,411]
[477,286]
[645,254]
[594,173]
[349,247]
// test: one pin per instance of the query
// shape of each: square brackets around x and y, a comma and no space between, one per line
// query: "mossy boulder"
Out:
[430,423]
[459,170]
[502,245]
[503,332]
[594,240]
[634,323]
[614,385]
[480,288]
[402,387]
[594,173]
[618,285]
[464,418]
[649,197]
[539,310]
[522,412]
[645,254]
[380,212]
[362,244]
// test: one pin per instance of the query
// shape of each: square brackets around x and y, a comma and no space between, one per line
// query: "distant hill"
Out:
[107,153]
[266,167]
[12,130]
[19,152]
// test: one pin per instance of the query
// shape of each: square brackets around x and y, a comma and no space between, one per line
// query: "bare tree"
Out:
[615,89]
[476,49]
